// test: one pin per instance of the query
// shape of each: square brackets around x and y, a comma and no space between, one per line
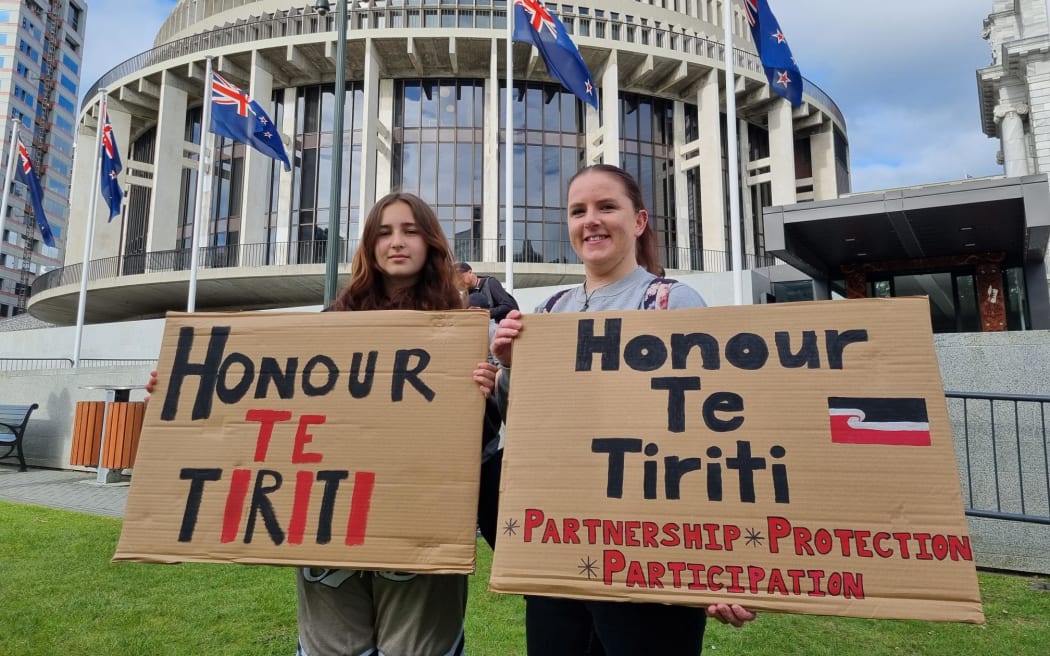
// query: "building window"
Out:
[69,84]
[73,16]
[647,153]
[549,148]
[311,193]
[437,154]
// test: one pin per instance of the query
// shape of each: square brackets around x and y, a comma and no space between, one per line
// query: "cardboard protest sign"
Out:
[337,439]
[793,457]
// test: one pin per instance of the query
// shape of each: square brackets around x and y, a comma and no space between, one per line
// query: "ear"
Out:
[641,220]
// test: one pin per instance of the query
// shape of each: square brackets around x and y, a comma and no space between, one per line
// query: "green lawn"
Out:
[60,594]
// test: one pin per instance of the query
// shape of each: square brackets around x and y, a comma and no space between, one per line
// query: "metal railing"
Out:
[38,364]
[1004,460]
[363,16]
[315,252]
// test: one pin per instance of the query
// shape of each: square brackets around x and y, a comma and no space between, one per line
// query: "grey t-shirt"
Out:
[624,294]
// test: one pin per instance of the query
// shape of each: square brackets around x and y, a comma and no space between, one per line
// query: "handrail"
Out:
[302,21]
[314,253]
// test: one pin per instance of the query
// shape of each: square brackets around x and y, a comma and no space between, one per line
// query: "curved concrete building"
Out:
[423,113]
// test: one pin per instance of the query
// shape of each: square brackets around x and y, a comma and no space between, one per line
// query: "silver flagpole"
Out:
[733,154]
[198,203]
[89,233]
[12,155]
[508,156]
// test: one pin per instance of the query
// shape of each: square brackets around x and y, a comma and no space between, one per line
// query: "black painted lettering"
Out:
[747,351]
[781,491]
[197,478]
[207,370]
[645,353]
[714,474]
[682,345]
[746,466]
[808,354]
[362,387]
[318,362]
[616,447]
[837,343]
[676,387]
[261,505]
[403,374]
[723,402]
[608,345]
[674,469]
[230,395]
[283,379]
[331,479]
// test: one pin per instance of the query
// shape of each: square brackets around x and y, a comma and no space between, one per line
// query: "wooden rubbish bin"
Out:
[87,433]
[123,427]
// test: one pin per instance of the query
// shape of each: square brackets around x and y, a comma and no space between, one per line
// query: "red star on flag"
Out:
[589,87]
[779,36]
[783,79]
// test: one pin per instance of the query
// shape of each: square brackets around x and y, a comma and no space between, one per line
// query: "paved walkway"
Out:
[71,490]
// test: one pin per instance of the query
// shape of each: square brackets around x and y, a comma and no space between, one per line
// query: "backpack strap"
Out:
[553,300]
[658,294]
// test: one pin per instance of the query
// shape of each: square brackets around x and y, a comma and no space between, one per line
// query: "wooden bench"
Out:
[13,422]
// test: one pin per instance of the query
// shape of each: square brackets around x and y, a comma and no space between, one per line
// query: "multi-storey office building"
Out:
[41,44]
[425,81]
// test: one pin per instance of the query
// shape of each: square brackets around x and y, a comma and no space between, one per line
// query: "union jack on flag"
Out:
[111,167]
[236,116]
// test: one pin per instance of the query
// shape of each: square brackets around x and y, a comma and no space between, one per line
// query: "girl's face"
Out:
[400,250]
[603,224]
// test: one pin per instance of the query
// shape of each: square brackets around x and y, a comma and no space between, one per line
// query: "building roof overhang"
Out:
[988,215]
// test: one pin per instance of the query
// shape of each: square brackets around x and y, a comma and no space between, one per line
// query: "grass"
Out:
[60,594]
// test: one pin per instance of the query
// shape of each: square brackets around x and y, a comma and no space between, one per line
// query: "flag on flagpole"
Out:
[781,70]
[27,176]
[236,116]
[111,167]
[534,24]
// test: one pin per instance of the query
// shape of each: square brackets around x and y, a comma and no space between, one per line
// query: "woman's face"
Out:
[400,250]
[603,224]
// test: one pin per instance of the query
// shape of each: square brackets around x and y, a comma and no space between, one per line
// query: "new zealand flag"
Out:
[27,176]
[777,60]
[534,24]
[236,116]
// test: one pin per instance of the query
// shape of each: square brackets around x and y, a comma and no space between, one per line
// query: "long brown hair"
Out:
[436,287]
[645,245]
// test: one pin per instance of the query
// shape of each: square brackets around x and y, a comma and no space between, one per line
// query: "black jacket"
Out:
[500,301]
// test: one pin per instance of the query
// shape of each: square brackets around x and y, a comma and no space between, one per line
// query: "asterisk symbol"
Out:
[753,538]
[588,567]
[510,527]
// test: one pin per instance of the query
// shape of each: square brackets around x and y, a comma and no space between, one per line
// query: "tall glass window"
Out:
[315,108]
[140,197]
[549,148]
[647,152]
[437,154]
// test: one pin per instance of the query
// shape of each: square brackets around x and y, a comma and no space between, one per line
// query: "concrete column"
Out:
[610,105]
[822,154]
[163,223]
[383,155]
[81,187]
[712,191]
[255,187]
[747,224]
[681,193]
[991,299]
[370,126]
[1015,144]
[782,154]
[492,163]
[286,183]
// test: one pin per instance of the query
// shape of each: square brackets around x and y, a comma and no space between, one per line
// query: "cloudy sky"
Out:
[902,72]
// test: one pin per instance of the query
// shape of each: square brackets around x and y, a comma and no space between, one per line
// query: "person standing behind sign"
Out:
[500,302]
[403,263]
[610,232]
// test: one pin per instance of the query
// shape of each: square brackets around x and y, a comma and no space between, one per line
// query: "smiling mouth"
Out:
[595,238]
